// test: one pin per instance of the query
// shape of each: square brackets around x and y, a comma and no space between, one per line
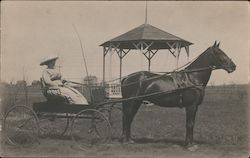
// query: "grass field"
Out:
[221,126]
[221,119]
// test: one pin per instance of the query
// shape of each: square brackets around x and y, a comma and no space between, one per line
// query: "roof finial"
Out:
[146,12]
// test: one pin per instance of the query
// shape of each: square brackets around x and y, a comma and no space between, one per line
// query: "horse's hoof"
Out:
[129,142]
[192,147]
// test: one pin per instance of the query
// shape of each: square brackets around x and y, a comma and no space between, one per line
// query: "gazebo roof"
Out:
[146,33]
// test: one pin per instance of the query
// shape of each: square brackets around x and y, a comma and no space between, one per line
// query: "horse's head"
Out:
[221,60]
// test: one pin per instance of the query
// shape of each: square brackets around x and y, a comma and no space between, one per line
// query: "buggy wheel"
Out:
[90,129]
[53,124]
[114,115]
[21,126]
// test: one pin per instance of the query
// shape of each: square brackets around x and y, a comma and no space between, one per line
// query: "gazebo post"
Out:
[149,54]
[178,51]
[187,51]
[149,59]
[120,56]
[105,51]
[149,64]
[103,66]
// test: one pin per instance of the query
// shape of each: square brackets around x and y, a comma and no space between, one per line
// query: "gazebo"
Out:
[148,40]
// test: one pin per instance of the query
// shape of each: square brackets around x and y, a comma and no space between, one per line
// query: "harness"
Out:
[181,80]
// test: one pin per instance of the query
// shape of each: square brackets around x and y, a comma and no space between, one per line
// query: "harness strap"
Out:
[175,80]
[143,96]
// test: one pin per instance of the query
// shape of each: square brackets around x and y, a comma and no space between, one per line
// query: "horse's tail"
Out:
[123,80]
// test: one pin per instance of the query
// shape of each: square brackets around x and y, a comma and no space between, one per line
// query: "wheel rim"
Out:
[21,126]
[114,115]
[90,129]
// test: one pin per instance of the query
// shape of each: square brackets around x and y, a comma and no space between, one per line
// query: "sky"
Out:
[34,30]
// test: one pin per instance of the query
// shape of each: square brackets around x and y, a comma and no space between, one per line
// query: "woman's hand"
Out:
[64,81]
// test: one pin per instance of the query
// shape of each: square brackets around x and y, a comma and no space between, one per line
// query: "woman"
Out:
[54,87]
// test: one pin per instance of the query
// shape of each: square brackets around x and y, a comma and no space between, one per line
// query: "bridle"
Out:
[222,66]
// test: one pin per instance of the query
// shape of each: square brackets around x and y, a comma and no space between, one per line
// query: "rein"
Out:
[159,72]
[155,77]
[166,73]
[144,96]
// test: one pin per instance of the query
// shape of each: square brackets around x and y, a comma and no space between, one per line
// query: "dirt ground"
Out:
[146,149]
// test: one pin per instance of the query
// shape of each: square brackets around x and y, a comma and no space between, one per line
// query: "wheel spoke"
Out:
[114,115]
[91,132]
[21,126]
[24,122]
[52,125]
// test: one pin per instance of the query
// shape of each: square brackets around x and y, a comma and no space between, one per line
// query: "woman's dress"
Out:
[54,88]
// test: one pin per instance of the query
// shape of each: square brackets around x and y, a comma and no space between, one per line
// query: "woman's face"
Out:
[51,64]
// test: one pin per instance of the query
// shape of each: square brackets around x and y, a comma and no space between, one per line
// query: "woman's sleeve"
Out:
[47,79]
[56,76]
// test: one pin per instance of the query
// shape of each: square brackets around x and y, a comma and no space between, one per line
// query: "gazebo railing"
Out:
[113,90]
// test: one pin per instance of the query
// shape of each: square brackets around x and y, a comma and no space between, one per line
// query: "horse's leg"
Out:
[125,115]
[190,121]
[134,109]
[129,111]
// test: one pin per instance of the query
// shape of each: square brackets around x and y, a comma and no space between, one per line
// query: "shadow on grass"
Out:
[56,136]
[166,141]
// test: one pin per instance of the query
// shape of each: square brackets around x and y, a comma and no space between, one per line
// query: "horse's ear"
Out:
[218,44]
[215,43]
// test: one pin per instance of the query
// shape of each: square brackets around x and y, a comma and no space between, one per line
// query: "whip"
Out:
[83,56]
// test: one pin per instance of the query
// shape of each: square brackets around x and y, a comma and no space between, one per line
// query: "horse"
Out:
[191,82]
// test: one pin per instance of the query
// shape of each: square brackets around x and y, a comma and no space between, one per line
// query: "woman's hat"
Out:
[48,59]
